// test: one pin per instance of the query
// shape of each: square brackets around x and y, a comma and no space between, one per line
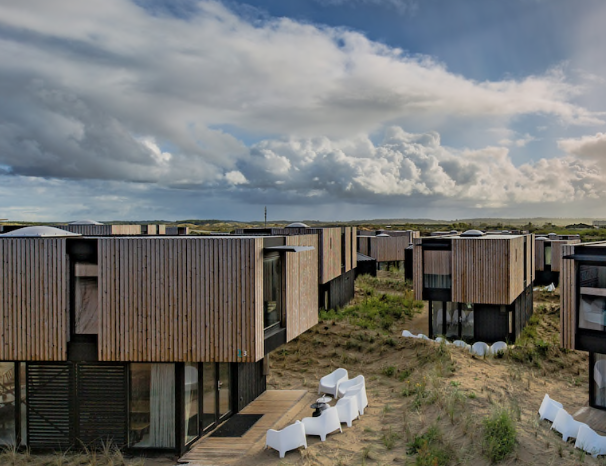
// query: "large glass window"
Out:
[86,315]
[437,281]
[592,301]
[191,405]
[452,320]
[467,321]
[152,405]
[209,383]
[599,380]
[272,290]
[437,319]
[7,403]
[547,254]
[224,386]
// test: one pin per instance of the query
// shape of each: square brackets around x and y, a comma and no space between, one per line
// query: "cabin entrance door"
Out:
[216,394]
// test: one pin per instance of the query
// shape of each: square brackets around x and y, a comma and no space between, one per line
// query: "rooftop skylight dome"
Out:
[39,232]
[85,222]
[472,234]
[297,225]
[383,235]
[541,238]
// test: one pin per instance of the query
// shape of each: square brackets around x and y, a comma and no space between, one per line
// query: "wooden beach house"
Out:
[583,310]
[548,257]
[478,287]
[388,248]
[148,341]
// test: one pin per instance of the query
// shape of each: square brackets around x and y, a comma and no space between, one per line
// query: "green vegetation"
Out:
[499,439]
[429,449]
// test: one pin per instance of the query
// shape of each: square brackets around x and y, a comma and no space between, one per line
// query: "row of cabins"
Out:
[93,228]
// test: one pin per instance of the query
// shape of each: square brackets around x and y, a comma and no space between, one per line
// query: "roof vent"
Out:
[39,232]
[382,235]
[551,235]
[540,238]
[297,225]
[85,222]
[472,234]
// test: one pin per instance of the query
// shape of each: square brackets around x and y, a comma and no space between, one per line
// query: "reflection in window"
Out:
[86,293]
[547,254]
[7,403]
[599,379]
[452,320]
[437,281]
[437,320]
[209,383]
[592,312]
[152,405]
[272,290]
[191,402]
[467,321]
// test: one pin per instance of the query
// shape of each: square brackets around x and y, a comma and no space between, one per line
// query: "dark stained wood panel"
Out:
[568,299]
[34,299]
[417,271]
[437,262]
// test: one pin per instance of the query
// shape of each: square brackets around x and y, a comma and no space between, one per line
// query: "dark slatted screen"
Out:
[102,404]
[48,405]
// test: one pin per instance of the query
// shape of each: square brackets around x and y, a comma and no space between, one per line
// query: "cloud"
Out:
[519,142]
[120,95]
[400,6]
[591,148]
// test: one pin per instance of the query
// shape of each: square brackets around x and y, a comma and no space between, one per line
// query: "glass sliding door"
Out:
[191,402]
[437,318]
[209,384]
[216,393]
[7,403]
[224,388]
[597,377]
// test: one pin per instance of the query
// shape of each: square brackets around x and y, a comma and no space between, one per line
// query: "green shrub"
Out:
[499,437]
[389,371]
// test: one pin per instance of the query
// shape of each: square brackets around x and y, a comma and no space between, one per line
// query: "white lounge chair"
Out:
[344,386]
[565,424]
[590,441]
[407,334]
[423,336]
[329,384]
[479,348]
[324,424]
[440,340]
[498,346]
[348,409]
[460,344]
[289,438]
[549,408]
[359,391]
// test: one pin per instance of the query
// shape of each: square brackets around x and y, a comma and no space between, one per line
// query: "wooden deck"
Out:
[594,418]
[279,408]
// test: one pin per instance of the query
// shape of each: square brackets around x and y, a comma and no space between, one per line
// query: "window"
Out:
[437,281]
[548,254]
[437,318]
[597,378]
[86,291]
[152,405]
[592,299]
[7,403]
[272,291]
[191,402]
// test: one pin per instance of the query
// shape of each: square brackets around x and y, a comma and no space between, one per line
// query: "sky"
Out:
[318,109]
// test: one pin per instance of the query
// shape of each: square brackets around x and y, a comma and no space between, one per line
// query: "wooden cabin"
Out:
[548,257]
[147,341]
[478,287]
[387,247]
[177,231]
[583,310]
[337,259]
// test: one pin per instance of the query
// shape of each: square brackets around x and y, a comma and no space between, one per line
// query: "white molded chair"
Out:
[565,424]
[359,391]
[460,344]
[479,348]
[549,408]
[498,346]
[344,386]
[329,384]
[590,441]
[324,424]
[289,438]
[407,334]
[440,340]
[348,409]
[423,337]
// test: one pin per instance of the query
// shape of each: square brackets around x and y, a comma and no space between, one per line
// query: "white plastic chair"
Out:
[549,408]
[423,337]
[565,424]
[359,391]
[590,441]
[289,438]
[344,386]
[460,344]
[324,424]
[407,334]
[348,409]
[329,384]
[498,346]
[479,348]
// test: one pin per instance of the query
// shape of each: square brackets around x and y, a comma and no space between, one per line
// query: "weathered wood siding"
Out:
[539,254]
[34,298]
[301,286]
[556,253]
[354,247]
[102,230]
[437,262]
[568,304]
[180,299]
[417,272]
[387,249]
[480,271]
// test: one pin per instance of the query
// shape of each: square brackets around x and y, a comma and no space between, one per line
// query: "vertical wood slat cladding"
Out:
[516,266]
[480,272]
[354,247]
[301,286]
[102,230]
[539,255]
[180,299]
[33,299]
[417,271]
[387,249]
[347,249]
[437,262]
[568,299]
[556,252]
